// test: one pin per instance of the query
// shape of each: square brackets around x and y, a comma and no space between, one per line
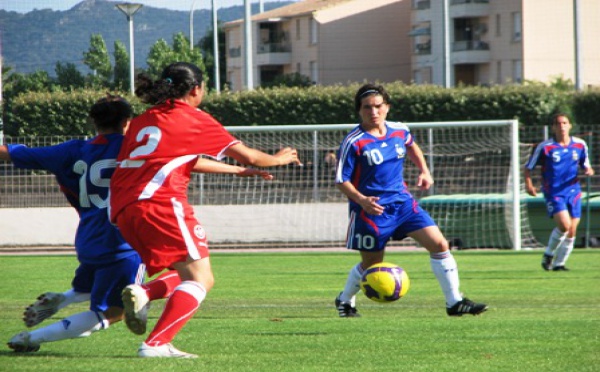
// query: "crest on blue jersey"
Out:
[400,151]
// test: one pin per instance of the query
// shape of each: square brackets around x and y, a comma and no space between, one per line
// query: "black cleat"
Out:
[547,262]
[345,310]
[466,306]
[560,268]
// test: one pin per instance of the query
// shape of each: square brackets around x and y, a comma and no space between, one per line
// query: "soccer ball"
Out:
[384,282]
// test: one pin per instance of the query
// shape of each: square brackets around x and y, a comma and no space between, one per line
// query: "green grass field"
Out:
[274,312]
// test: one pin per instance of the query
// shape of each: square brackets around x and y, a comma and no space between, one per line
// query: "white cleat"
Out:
[21,343]
[42,309]
[162,351]
[136,305]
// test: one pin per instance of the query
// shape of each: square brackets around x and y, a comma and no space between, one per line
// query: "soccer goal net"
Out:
[476,199]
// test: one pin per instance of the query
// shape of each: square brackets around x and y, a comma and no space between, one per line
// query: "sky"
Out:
[24,6]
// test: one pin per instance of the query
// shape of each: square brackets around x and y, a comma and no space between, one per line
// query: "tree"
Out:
[206,45]
[98,60]
[161,55]
[17,83]
[121,70]
[68,76]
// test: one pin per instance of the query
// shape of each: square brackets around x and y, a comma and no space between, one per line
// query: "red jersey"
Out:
[159,151]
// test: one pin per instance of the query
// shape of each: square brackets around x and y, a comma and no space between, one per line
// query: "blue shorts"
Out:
[105,282]
[367,232]
[570,202]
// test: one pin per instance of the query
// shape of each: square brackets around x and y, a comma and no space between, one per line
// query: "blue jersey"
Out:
[560,165]
[83,170]
[375,165]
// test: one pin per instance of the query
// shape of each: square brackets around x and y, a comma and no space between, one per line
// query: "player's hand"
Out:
[589,171]
[288,155]
[370,205]
[424,181]
[251,172]
[531,190]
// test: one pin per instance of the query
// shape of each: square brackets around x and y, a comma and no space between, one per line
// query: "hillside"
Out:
[38,39]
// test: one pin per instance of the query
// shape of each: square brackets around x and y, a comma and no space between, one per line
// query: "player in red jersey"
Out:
[149,199]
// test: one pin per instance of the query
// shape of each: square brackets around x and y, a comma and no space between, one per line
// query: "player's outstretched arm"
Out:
[249,156]
[211,166]
[4,155]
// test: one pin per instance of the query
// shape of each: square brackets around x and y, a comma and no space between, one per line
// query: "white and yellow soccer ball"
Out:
[384,282]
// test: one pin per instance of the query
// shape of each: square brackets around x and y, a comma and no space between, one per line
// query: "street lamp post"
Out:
[192,25]
[130,9]
[216,46]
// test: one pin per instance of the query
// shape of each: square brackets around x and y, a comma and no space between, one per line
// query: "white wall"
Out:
[229,223]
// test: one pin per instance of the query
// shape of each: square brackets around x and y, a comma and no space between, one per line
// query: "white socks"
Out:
[556,239]
[77,325]
[352,285]
[445,269]
[72,297]
[564,251]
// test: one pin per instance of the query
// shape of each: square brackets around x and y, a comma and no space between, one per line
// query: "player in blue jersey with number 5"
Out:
[370,173]
[560,158]
[106,262]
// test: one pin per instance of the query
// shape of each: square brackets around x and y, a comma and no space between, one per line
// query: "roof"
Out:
[294,10]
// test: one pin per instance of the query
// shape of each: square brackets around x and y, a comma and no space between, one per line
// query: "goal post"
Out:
[476,199]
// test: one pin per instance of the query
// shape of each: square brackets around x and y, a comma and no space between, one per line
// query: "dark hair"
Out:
[557,115]
[176,80]
[109,112]
[369,90]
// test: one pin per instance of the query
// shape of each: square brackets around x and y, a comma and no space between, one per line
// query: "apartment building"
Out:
[329,41]
[484,42]
[503,41]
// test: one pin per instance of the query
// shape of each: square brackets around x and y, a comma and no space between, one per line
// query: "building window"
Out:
[517,26]
[499,72]
[314,31]
[498,25]
[314,72]
[297,29]
[518,71]
[299,67]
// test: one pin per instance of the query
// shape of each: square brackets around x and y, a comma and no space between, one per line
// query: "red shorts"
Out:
[163,234]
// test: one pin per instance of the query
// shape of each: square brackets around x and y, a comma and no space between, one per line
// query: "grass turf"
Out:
[274,312]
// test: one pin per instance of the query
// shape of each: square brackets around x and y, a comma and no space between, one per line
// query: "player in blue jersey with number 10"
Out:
[370,173]
[560,158]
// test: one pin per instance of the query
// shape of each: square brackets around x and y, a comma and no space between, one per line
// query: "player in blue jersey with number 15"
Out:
[106,262]
[560,158]
[370,173]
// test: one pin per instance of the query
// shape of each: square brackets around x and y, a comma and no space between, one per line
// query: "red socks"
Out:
[180,307]
[162,286]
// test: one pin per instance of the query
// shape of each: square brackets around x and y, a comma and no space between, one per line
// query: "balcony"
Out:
[279,53]
[469,8]
[459,46]
[421,4]
[470,52]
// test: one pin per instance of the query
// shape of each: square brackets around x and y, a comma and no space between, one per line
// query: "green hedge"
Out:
[60,113]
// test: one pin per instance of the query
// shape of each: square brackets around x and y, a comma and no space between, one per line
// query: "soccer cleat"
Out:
[345,309]
[136,305]
[162,351]
[42,309]
[547,262]
[21,343]
[560,268]
[466,306]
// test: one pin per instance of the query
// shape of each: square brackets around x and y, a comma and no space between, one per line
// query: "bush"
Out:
[65,113]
